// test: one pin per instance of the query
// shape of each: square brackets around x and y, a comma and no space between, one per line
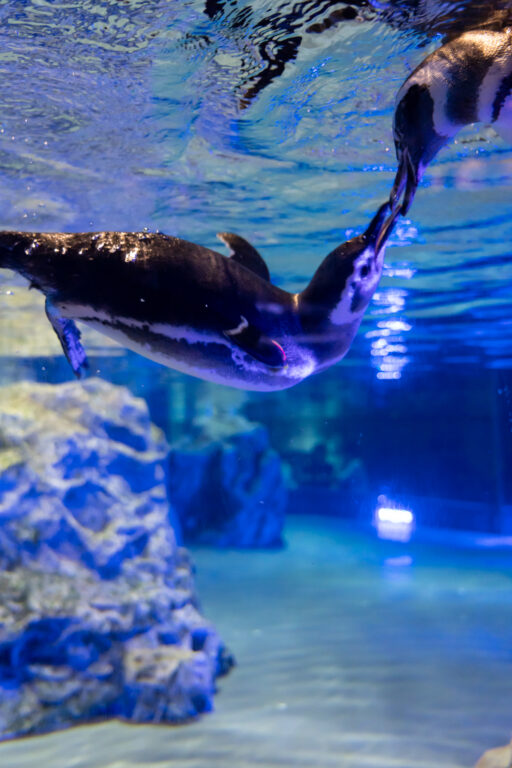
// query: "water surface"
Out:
[270,120]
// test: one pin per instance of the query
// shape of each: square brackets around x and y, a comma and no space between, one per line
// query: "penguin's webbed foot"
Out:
[69,337]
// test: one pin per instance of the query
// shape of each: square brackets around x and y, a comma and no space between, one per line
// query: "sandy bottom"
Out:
[351,652]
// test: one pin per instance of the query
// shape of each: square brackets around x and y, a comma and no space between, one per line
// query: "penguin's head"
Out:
[345,282]
[365,255]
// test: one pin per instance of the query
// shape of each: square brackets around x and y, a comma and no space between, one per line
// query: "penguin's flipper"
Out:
[69,337]
[245,254]
[257,345]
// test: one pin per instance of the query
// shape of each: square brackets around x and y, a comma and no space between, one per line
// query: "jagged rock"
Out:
[78,461]
[500,757]
[98,613]
[227,485]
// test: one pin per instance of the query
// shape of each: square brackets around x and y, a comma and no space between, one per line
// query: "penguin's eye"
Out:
[365,269]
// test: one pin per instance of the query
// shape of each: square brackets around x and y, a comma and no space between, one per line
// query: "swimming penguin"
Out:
[195,310]
[468,80]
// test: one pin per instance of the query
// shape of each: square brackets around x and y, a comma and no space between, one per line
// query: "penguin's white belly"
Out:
[241,373]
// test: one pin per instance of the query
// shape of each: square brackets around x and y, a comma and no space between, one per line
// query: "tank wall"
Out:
[436,440]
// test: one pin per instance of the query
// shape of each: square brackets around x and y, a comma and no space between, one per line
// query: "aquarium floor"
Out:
[351,652]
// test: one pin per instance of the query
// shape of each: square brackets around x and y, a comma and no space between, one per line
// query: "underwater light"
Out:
[388,345]
[394,325]
[395,515]
[394,523]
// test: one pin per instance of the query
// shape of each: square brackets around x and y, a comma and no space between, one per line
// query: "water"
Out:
[351,653]
[132,119]
[274,120]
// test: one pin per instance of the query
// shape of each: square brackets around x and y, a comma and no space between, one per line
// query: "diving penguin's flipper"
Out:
[69,337]
[245,254]
[257,345]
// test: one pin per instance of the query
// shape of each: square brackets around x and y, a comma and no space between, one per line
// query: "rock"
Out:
[77,461]
[227,485]
[501,757]
[98,612]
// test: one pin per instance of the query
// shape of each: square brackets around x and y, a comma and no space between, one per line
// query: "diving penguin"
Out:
[468,80]
[192,309]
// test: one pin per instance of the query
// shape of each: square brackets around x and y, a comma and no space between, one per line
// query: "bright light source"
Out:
[394,523]
[394,325]
[395,515]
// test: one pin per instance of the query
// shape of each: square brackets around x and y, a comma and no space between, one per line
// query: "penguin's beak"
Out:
[381,226]
[376,225]
[406,182]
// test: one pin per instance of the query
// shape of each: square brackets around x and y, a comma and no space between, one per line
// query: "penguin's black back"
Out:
[146,276]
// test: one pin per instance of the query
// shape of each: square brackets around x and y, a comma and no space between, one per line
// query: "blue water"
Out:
[352,653]
[127,115]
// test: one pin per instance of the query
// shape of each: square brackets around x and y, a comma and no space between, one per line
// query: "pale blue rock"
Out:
[98,611]
[227,484]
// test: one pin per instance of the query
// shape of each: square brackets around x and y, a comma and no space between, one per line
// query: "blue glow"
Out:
[490,542]
[403,561]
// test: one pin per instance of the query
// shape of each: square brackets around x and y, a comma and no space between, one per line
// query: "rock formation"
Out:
[98,613]
[227,484]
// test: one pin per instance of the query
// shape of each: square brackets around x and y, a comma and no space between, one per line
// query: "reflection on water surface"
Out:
[272,120]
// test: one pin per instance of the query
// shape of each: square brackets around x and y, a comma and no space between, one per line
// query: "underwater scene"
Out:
[256,384]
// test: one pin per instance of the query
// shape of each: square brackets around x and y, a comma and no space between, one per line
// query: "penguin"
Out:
[193,309]
[468,80]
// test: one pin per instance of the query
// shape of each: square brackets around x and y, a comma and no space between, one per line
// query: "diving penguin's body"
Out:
[195,310]
[468,80]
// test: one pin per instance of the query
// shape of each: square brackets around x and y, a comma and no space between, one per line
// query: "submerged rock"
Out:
[500,757]
[227,484]
[98,613]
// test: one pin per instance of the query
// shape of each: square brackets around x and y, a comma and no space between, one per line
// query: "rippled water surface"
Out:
[272,120]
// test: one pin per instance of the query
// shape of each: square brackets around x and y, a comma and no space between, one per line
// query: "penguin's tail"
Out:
[8,250]
[19,251]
